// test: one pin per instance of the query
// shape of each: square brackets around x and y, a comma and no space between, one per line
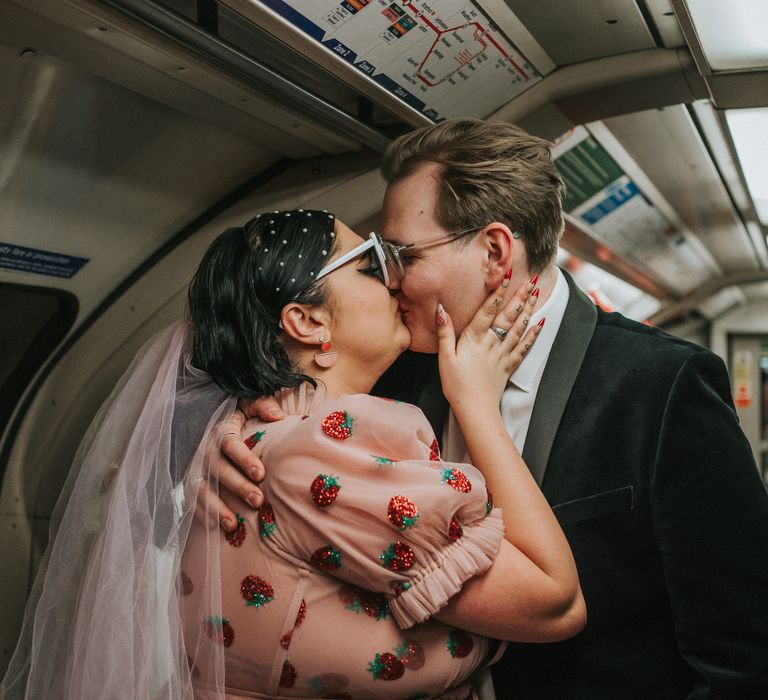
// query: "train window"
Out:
[33,320]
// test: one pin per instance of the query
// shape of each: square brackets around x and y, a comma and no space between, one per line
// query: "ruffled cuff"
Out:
[433,587]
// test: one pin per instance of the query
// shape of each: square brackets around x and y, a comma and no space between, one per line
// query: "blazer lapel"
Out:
[563,365]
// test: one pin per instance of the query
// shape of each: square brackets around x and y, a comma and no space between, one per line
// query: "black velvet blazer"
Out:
[636,445]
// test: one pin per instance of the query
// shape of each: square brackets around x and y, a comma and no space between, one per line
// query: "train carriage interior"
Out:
[134,131]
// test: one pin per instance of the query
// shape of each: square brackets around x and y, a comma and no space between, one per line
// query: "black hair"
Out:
[246,277]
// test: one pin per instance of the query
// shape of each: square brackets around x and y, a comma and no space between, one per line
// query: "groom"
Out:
[631,433]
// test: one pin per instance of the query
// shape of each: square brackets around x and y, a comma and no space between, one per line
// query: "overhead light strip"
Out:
[749,131]
[732,34]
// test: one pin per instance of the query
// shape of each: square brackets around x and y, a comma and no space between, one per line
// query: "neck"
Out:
[341,378]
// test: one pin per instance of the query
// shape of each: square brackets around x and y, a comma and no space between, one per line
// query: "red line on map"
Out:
[480,34]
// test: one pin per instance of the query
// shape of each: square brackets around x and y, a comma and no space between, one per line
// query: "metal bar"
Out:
[247,70]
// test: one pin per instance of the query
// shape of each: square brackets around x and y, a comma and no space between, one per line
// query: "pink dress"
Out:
[328,590]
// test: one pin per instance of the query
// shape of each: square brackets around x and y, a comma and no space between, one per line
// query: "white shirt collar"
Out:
[553,310]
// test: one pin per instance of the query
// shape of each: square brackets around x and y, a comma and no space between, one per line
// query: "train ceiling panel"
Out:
[109,186]
[667,146]
[583,30]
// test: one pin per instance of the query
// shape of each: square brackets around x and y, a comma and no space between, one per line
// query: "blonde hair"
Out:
[490,171]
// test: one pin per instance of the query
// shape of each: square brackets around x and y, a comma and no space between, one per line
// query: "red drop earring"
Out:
[326,357]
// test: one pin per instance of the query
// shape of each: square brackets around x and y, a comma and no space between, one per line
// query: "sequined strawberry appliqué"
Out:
[255,439]
[326,558]
[324,489]
[285,640]
[266,518]
[219,630]
[455,530]
[398,557]
[386,667]
[358,600]
[456,479]
[411,654]
[402,512]
[237,536]
[256,591]
[338,425]
[459,644]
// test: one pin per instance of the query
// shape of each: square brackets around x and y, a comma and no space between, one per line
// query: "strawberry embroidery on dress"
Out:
[219,630]
[411,654]
[456,480]
[402,512]
[285,640]
[401,588]
[488,501]
[237,536]
[266,518]
[386,667]
[384,460]
[288,675]
[358,600]
[325,489]
[434,451]
[256,591]
[459,644]
[455,530]
[330,684]
[326,558]
[186,584]
[338,425]
[255,439]
[398,557]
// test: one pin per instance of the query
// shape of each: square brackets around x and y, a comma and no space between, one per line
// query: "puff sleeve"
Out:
[358,490]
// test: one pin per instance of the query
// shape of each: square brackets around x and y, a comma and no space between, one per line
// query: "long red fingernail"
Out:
[440,315]
[508,274]
[535,292]
[541,323]
[534,280]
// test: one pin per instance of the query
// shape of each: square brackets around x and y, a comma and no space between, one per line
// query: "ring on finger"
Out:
[500,332]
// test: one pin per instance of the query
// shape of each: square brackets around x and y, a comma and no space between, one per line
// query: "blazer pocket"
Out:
[604,503]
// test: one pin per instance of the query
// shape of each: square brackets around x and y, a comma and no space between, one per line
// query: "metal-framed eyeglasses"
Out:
[394,251]
[387,258]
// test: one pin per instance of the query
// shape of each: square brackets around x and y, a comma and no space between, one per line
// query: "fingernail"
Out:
[507,278]
[228,523]
[440,316]
[255,474]
[541,323]
[253,500]
[276,413]
[534,296]
[533,281]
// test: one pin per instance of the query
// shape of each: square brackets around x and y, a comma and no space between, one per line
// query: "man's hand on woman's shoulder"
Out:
[233,465]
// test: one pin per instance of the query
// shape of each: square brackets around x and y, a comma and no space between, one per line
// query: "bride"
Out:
[349,581]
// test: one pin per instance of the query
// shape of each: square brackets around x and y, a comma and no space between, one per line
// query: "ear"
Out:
[305,324]
[503,249]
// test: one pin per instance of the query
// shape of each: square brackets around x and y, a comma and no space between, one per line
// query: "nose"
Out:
[394,282]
